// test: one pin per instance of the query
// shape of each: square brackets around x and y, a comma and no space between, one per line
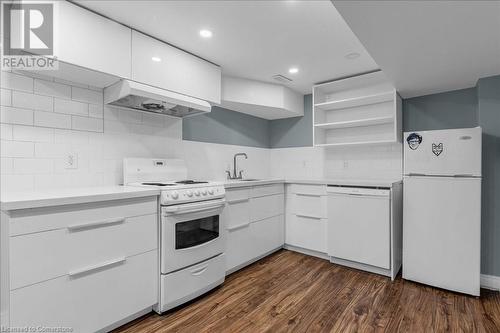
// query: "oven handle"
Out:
[194,207]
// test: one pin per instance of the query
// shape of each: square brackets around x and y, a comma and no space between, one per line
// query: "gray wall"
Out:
[235,128]
[453,109]
[227,127]
[488,90]
[293,132]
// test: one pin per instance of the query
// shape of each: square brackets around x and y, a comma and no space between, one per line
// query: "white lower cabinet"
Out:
[254,220]
[306,217]
[85,266]
[88,302]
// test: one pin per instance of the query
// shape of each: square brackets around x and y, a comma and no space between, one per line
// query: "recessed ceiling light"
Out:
[205,33]
[352,55]
[157,59]
[293,70]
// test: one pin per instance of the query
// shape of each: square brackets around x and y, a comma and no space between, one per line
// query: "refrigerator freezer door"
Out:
[443,152]
[441,232]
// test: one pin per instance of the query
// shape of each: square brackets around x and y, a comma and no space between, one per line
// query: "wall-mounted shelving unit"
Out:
[360,110]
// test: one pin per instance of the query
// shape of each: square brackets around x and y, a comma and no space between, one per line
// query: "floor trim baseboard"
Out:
[491,282]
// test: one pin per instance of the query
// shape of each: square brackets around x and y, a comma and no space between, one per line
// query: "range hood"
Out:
[134,95]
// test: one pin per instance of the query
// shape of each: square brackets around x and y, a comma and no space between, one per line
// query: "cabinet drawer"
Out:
[238,194]
[308,189]
[308,205]
[237,214]
[47,255]
[88,302]
[188,283]
[265,207]
[306,232]
[50,218]
[239,247]
[267,234]
[263,190]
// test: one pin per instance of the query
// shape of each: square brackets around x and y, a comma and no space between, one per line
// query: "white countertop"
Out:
[348,182]
[57,197]
[341,181]
[240,183]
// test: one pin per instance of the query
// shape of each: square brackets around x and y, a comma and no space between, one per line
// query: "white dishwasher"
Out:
[359,225]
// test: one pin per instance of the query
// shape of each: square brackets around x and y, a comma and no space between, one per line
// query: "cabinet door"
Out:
[359,229]
[239,247]
[92,41]
[174,69]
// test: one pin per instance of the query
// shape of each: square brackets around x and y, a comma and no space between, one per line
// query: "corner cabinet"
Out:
[164,66]
[360,110]
[92,41]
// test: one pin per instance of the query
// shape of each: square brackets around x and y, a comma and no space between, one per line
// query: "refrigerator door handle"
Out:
[463,175]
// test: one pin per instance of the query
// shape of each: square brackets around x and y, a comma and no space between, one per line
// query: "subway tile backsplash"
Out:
[44,120]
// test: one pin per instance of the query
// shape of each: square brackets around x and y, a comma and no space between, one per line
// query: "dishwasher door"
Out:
[359,225]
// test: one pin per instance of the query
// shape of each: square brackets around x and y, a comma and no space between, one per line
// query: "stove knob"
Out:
[204,192]
[175,195]
[211,191]
[197,193]
[189,193]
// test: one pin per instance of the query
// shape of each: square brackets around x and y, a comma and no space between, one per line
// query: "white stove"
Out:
[191,228]
[170,176]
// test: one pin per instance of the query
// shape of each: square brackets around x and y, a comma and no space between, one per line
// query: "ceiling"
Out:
[252,39]
[428,46]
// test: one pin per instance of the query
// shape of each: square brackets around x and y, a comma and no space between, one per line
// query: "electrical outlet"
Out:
[346,164]
[71,161]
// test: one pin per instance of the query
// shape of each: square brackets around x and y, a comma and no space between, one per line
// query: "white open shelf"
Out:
[357,122]
[361,110]
[356,101]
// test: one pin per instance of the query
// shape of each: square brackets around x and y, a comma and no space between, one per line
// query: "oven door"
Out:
[190,233]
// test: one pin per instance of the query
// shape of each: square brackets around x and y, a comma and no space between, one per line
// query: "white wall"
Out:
[370,162]
[43,120]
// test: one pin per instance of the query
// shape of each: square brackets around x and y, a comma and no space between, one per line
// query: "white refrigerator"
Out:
[442,209]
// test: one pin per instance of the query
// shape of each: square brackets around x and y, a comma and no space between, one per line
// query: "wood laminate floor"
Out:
[291,292]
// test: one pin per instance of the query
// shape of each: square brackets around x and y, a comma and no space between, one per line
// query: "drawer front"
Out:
[306,232]
[237,214]
[50,218]
[237,194]
[47,255]
[91,301]
[268,234]
[309,205]
[266,207]
[239,247]
[308,189]
[263,190]
[188,283]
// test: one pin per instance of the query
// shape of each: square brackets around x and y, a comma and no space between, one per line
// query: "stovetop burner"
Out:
[158,184]
[190,181]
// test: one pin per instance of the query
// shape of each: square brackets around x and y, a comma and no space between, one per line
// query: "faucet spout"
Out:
[235,174]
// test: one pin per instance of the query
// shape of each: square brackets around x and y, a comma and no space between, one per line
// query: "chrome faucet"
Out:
[234,175]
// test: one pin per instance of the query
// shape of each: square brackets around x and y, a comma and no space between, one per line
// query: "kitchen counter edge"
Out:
[38,199]
[339,182]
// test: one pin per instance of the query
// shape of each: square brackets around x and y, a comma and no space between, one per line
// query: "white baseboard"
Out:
[490,282]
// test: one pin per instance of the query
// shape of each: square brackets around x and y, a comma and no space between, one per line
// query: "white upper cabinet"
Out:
[92,41]
[164,66]
[261,99]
